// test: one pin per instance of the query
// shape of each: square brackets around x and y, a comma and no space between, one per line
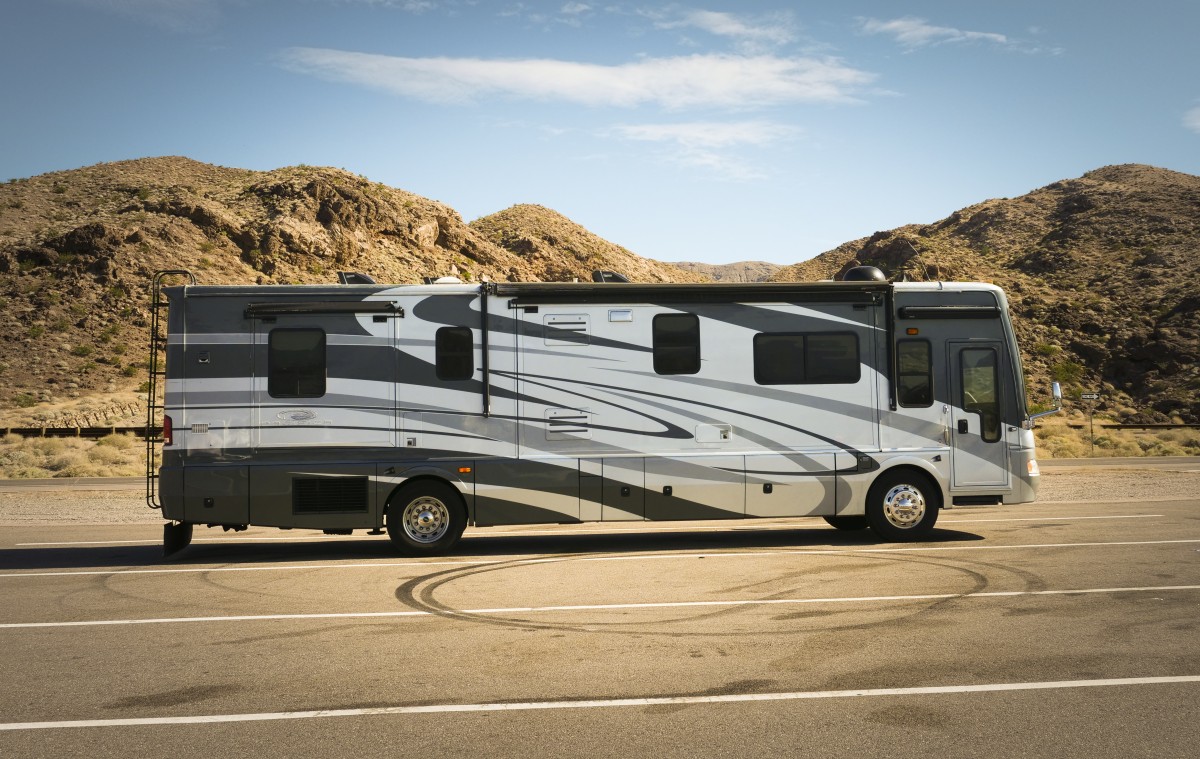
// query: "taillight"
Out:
[167,430]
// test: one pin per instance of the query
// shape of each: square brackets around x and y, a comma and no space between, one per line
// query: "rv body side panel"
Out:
[311,406]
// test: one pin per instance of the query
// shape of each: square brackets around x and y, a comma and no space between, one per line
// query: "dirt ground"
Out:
[80,506]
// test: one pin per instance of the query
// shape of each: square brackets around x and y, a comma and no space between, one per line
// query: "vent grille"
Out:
[327,495]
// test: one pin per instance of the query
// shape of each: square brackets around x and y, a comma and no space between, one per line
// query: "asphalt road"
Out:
[1064,629]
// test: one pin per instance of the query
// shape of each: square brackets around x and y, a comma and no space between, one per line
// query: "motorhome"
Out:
[421,409]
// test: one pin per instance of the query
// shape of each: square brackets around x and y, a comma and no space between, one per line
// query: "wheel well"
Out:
[933,490]
[417,481]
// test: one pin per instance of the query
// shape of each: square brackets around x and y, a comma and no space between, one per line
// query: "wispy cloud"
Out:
[411,6]
[1191,119]
[710,145]
[723,81]
[750,34]
[917,32]
[700,135]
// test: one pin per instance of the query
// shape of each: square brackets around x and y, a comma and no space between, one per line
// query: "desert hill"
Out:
[560,249]
[78,248]
[742,271]
[1101,271]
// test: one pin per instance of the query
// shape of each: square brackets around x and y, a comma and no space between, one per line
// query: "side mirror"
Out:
[1056,393]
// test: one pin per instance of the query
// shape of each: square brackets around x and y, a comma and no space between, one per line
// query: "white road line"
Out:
[611,703]
[600,607]
[566,558]
[249,538]
[281,568]
[1046,519]
[534,533]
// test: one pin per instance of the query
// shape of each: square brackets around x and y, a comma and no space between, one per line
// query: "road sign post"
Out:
[1091,421]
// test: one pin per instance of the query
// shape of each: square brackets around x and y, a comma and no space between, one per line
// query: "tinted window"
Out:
[455,354]
[296,363]
[914,373]
[979,389]
[676,344]
[805,358]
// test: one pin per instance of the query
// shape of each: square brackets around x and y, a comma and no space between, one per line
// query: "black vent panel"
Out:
[329,495]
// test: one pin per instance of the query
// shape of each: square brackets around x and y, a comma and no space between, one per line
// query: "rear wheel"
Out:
[848,523]
[903,506]
[426,518]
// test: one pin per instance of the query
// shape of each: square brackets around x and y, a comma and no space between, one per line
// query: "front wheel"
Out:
[426,518]
[902,506]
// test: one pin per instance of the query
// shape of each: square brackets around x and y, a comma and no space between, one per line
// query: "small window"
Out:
[980,389]
[914,373]
[455,353]
[782,358]
[296,363]
[676,344]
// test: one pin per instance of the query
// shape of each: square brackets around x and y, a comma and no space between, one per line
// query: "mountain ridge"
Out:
[1100,270]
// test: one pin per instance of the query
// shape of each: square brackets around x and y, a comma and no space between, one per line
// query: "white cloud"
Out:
[708,145]
[575,8]
[1191,119]
[757,35]
[709,134]
[916,32]
[725,81]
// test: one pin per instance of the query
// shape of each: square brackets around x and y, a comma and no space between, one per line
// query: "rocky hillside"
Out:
[78,248]
[742,271]
[560,249]
[1102,272]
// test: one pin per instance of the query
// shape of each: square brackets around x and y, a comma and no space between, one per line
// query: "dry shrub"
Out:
[120,442]
[113,456]
[1057,440]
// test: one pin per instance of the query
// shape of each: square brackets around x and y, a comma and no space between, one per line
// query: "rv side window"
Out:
[789,358]
[296,363]
[676,344]
[914,373]
[455,353]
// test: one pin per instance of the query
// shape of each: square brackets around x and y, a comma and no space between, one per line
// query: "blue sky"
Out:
[710,132]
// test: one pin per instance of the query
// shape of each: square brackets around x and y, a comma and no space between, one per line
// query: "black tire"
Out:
[426,518]
[903,506]
[848,523]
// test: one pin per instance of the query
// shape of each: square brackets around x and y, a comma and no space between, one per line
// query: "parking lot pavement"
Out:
[1066,628]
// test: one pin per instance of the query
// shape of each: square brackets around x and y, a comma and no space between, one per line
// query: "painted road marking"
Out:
[604,703]
[534,533]
[601,607]
[637,557]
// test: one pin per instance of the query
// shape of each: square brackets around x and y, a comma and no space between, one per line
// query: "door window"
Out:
[980,390]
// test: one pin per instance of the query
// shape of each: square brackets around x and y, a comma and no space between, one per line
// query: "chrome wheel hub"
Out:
[426,519]
[904,506]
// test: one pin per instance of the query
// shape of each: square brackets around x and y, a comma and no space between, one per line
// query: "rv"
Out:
[422,409]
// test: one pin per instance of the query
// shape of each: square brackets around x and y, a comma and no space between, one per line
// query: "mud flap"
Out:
[176,537]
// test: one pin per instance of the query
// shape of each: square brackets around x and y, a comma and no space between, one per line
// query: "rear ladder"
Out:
[157,364]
